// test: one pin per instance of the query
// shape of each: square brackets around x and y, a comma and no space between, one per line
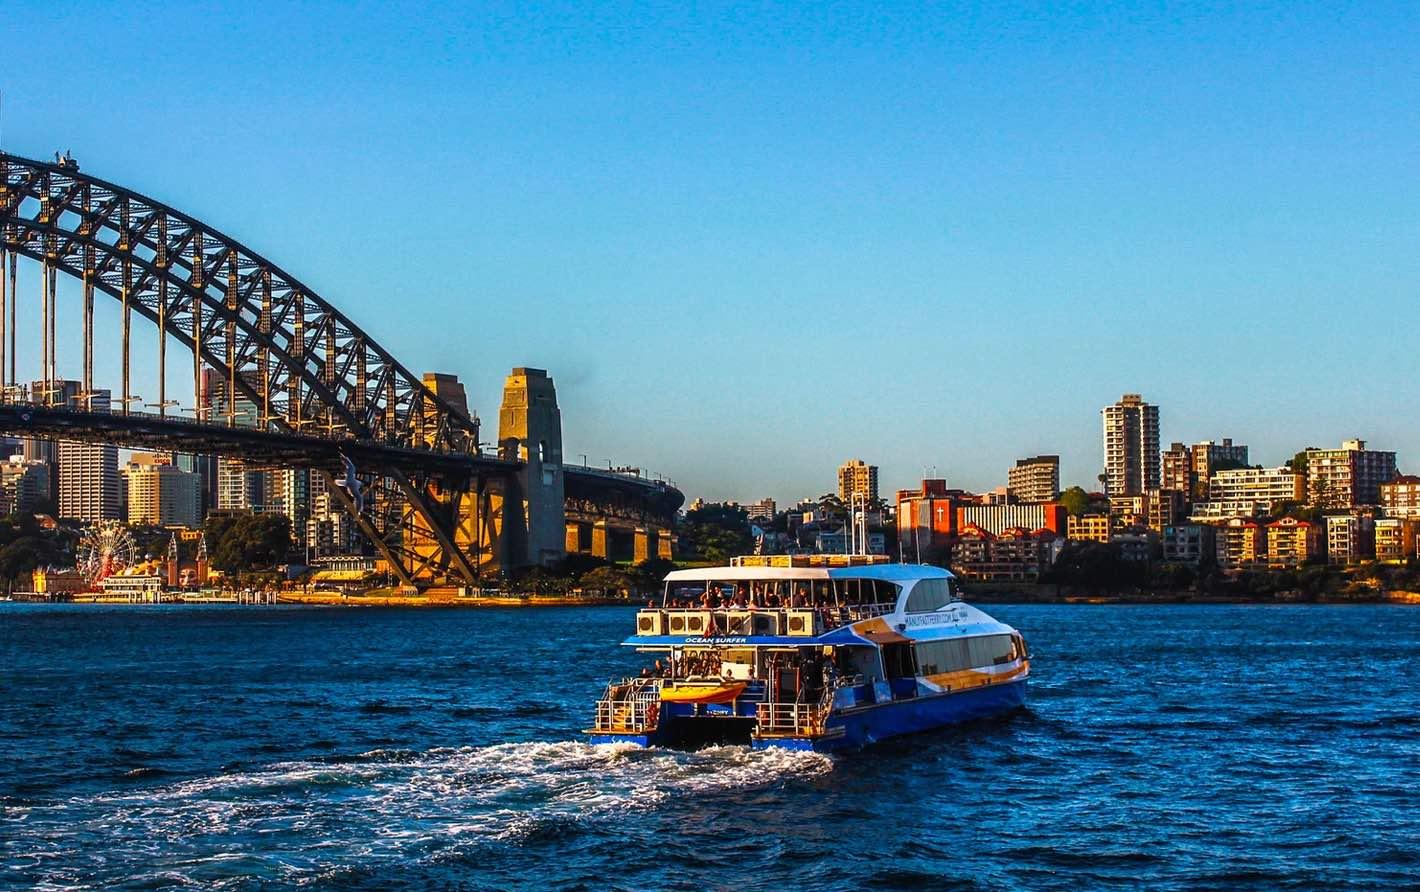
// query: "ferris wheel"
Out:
[105,549]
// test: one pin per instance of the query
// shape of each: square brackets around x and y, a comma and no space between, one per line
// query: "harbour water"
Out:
[1169,746]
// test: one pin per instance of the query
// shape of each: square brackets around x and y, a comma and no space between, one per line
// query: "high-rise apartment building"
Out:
[239,489]
[856,477]
[25,483]
[1035,479]
[288,492]
[89,482]
[162,494]
[1176,470]
[1131,446]
[1349,476]
[62,392]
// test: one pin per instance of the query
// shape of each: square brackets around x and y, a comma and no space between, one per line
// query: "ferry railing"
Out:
[699,620]
[795,718]
[630,707]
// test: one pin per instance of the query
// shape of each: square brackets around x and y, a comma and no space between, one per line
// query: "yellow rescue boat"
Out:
[702,692]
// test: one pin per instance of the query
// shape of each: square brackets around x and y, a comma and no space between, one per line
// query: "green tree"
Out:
[1075,500]
[248,541]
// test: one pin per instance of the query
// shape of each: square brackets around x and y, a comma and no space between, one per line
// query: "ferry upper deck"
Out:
[774,601]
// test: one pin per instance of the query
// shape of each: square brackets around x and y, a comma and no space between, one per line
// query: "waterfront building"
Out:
[1131,446]
[1087,528]
[764,509]
[1241,542]
[1350,538]
[1013,555]
[1396,539]
[1400,496]
[144,588]
[1134,547]
[24,483]
[856,477]
[1035,479]
[52,581]
[1292,542]
[1192,544]
[1265,486]
[997,519]
[1349,476]
[161,494]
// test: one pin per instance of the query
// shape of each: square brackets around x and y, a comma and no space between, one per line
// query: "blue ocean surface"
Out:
[1174,747]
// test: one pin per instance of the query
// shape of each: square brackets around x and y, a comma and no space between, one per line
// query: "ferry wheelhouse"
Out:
[810,653]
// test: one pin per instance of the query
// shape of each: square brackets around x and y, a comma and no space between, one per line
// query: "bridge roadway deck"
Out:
[257,447]
[268,448]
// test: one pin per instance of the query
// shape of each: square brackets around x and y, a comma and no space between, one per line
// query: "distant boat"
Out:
[816,653]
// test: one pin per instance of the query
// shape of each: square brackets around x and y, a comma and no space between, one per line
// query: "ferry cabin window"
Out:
[956,654]
[852,592]
[928,595]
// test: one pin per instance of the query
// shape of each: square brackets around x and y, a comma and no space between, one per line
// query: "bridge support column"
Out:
[574,538]
[601,543]
[530,429]
[665,545]
[641,546]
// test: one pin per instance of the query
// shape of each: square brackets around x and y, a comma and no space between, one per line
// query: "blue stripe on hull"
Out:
[636,739]
[867,726]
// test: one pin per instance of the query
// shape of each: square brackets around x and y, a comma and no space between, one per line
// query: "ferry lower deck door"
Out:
[900,664]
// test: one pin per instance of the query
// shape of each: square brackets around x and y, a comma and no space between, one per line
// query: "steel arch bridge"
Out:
[322,388]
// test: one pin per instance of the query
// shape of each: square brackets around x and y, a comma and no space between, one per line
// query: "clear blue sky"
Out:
[750,242]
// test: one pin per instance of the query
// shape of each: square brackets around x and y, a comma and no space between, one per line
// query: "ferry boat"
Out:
[815,653]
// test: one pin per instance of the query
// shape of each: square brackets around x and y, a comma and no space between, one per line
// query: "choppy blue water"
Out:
[1175,747]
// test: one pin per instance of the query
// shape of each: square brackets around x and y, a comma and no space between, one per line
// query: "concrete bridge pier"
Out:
[601,540]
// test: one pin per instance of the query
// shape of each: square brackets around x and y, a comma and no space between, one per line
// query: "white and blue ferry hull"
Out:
[866,725]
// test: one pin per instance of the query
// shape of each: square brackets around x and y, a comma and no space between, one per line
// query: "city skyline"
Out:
[691,218]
